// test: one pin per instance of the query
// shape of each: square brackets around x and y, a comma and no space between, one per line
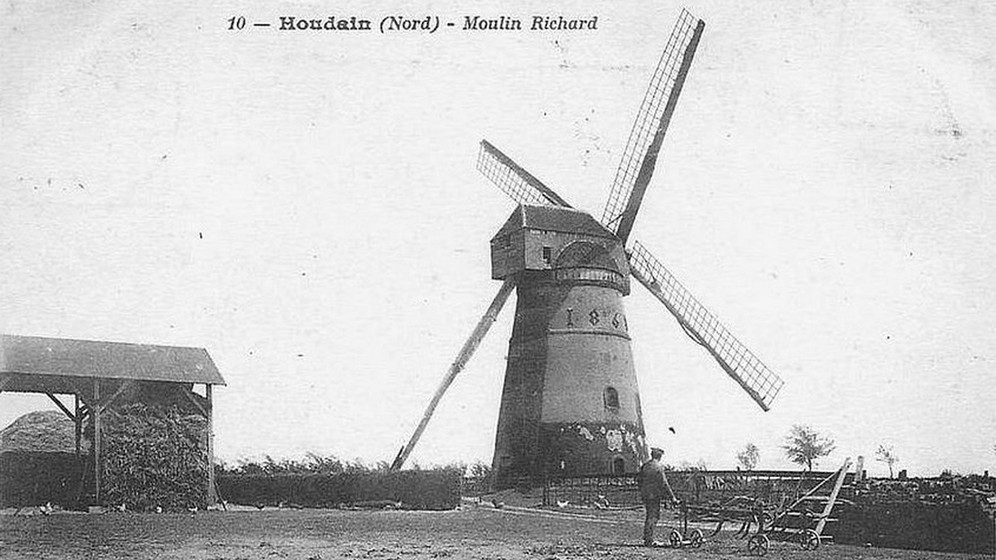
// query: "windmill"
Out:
[570,403]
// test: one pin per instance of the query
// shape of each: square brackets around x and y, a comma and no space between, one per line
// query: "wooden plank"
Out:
[62,407]
[107,402]
[788,530]
[196,403]
[95,413]
[807,495]
[79,425]
[212,493]
[833,496]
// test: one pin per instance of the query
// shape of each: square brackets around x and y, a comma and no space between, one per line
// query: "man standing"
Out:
[653,488]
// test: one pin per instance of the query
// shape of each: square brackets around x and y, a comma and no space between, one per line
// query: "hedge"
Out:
[961,526]
[435,489]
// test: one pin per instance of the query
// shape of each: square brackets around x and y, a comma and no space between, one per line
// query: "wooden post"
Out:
[212,495]
[78,421]
[95,414]
[859,469]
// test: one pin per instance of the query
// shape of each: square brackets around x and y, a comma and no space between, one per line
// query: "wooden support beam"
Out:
[95,413]
[489,318]
[811,492]
[79,425]
[88,403]
[62,407]
[833,496]
[102,405]
[212,493]
[193,399]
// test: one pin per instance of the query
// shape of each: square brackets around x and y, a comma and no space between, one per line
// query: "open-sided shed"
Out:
[96,373]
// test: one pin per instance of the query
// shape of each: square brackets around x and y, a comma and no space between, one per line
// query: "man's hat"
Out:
[656,451]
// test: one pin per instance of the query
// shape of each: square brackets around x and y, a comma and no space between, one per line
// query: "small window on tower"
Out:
[611,399]
[618,466]
[547,255]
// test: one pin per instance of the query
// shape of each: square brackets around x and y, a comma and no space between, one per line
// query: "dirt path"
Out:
[471,533]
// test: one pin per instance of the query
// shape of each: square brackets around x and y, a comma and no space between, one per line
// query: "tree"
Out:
[888,456]
[804,445]
[749,456]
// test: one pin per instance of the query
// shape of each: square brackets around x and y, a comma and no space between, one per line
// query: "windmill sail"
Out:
[482,328]
[737,361]
[647,135]
[513,180]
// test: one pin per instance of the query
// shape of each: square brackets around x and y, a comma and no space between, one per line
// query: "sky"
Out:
[305,205]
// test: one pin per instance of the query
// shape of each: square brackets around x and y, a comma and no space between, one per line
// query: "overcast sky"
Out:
[305,205]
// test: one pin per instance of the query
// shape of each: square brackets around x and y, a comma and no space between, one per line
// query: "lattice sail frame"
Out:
[513,180]
[737,361]
[648,119]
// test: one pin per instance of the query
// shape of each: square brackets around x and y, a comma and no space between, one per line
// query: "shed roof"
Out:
[66,357]
[553,218]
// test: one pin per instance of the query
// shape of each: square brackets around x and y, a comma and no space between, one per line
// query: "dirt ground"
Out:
[473,532]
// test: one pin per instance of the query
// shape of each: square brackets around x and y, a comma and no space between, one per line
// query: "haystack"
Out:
[155,456]
[43,431]
[38,462]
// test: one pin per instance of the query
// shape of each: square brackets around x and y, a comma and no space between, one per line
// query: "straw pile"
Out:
[155,456]
[38,464]
[45,431]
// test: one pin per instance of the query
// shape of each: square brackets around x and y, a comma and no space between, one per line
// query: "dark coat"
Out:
[652,482]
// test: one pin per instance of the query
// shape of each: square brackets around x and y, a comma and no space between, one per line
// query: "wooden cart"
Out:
[800,517]
[804,520]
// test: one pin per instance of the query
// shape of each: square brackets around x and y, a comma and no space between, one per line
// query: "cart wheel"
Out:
[674,539]
[758,545]
[696,539]
[765,521]
[810,540]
